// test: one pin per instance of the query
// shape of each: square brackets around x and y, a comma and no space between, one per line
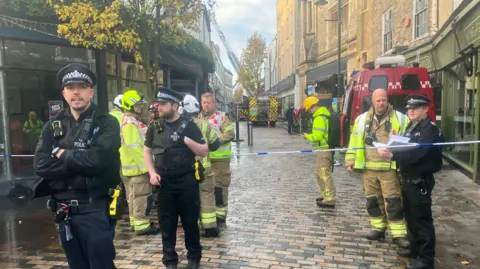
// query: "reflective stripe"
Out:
[141,225]
[208,218]
[378,224]
[221,212]
[378,165]
[134,145]
[133,167]
[398,229]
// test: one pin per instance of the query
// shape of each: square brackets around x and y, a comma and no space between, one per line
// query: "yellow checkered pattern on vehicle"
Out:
[252,104]
[273,109]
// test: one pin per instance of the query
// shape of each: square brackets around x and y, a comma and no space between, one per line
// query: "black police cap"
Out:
[76,73]
[168,95]
[416,100]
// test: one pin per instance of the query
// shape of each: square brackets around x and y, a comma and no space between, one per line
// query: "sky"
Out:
[238,20]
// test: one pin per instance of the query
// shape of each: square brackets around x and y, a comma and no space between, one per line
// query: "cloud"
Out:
[239,19]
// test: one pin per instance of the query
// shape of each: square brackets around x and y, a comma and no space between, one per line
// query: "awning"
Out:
[181,63]
[325,71]
[284,85]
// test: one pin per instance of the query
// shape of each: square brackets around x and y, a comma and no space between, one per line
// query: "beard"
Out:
[169,114]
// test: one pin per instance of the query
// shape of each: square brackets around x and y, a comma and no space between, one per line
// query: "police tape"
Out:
[263,153]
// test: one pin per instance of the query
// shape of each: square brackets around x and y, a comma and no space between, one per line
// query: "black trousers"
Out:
[289,126]
[417,204]
[92,244]
[179,197]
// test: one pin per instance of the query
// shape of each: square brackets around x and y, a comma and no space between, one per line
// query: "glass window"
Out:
[378,82]
[44,57]
[130,71]
[411,82]
[421,18]
[387,31]
[112,91]
[138,86]
[111,64]
[29,91]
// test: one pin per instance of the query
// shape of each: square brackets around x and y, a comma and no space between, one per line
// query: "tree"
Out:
[250,72]
[139,27]
[238,95]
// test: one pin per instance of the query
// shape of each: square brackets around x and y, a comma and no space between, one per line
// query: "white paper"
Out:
[396,140]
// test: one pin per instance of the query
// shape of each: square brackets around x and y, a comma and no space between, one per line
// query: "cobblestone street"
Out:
[273,221]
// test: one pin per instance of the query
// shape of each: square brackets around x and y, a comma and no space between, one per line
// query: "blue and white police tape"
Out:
[410,145]
[262,153]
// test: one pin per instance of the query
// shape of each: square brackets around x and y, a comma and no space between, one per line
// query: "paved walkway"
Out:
[274,222]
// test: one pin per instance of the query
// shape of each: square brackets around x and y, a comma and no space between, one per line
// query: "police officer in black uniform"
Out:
[416,167]
[78,160]
[175,143]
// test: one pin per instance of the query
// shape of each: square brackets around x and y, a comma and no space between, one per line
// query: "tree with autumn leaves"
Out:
[139,27]
[251,61]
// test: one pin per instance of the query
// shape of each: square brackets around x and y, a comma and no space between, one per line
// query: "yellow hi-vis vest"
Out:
[225,150]
[399,123]
[209,135]
[319,136]
[117,113]
[133,134]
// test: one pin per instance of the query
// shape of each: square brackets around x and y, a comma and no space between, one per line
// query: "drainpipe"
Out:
[7,159]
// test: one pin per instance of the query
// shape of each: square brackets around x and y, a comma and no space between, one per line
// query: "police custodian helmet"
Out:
[76,73]
[416,100]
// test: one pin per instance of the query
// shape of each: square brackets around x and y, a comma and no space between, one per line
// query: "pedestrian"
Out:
[221,157]
[134,172]
[174,145]
[289,116]
[324,160]
[417,167]
[80,171]
[191,108]
[380,177]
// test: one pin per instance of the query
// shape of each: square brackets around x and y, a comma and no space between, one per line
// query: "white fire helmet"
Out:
[190,105]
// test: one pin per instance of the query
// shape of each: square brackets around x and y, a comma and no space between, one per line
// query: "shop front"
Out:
[284,91]
[452,59]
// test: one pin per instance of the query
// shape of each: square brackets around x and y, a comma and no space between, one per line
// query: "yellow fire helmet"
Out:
[309,102]
[131,98]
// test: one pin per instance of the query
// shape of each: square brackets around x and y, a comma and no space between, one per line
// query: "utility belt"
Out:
[197,170]
[421,181]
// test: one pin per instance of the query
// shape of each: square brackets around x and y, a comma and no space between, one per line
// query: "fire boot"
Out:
[406,253]
[376,235]
[212,232]
[401,242]
[418,264]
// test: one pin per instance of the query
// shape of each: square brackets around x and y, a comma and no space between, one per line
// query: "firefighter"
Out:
[174,146]
[416,169]
[135,174]
[324,160]
[221,157]
[208,220]
[117,110]
[380,178]
[80,171]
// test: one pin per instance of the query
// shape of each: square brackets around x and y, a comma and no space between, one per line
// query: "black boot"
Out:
[171,266]
[406,253]
[376,235]
[193,265]
[418,264]
[212,232]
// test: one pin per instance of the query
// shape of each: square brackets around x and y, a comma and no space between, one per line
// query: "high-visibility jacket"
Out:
[210,137]
[224,129]
[117,113]
[356,154]
[33,127]
[319,136]
[133,133]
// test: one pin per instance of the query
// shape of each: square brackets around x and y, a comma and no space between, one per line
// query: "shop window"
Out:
[44,57]
[411,82]
[378,82]
[29,92]
[130,71]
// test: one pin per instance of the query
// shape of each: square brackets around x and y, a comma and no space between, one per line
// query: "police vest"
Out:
[173,159]
[77,185]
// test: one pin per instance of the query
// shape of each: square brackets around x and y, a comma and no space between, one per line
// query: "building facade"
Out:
[270,65]
[221,81]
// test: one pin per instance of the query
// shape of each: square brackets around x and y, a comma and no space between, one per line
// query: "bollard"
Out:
[237,128]
[250,133]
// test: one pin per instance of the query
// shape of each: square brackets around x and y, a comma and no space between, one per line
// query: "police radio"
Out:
[57,128]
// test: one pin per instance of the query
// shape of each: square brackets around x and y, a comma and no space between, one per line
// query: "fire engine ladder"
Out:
[231,55]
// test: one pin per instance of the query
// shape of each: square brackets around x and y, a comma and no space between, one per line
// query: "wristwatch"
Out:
[54,152]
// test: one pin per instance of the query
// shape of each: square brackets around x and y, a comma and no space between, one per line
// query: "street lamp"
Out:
[339,20]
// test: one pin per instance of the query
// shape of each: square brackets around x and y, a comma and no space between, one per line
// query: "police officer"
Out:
[174,146]
[416,169]
[78,160]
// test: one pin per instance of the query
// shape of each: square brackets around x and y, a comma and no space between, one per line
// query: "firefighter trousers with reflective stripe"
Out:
[208,216]
[384,201]
[323,167]
[223,177]
[92,244]
[137,190]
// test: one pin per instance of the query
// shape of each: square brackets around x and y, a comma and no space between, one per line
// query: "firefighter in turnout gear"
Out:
[324,160]
[416,169]
[191,108]
[134,172]
[77,159]
[175,146]
[117,110]
[221,157]
[380,177]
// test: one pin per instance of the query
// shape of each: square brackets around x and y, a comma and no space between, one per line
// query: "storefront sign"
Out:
[55,107]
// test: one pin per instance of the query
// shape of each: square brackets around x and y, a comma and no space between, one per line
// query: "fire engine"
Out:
[392,74]
[263,109]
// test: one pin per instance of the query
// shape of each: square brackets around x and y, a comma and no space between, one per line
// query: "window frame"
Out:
[385,33]
[416,16]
